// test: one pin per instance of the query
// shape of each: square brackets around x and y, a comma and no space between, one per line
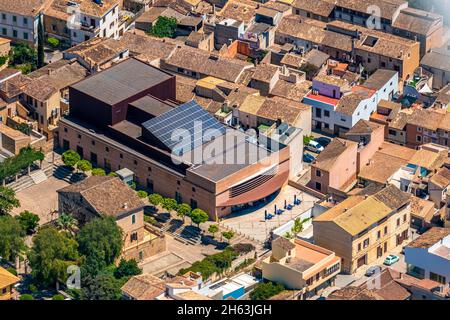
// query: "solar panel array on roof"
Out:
[189,116]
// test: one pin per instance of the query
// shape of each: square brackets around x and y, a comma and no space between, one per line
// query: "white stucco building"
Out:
[428,257]
[19,20]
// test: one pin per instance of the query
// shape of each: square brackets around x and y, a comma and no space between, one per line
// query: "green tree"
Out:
[228,235]
[264,291]
[66,222]
[23,54]
[29,221]
[183,210]
[40,53]
[213,229]
[84,166]
[127,269]
[307,139]
[53,42]
[70,158]
[8,200]
[52,252]
[155,199]
[288,235]
[3,60]
[102,286]
[26,297]
[58,297]
[142,194]
[112,174]
[169,204]
[100,241]
[11,238]
[199,216]
[298,225]
[164,27]
[98,172]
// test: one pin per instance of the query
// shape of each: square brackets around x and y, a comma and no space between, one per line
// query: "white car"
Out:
[314,146]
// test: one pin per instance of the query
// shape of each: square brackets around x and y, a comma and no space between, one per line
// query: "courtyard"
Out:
[41,199]
[251,222]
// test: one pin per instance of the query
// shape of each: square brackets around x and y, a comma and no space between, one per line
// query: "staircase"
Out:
[38,176]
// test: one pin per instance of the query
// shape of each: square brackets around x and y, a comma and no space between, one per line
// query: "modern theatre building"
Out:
[127,117]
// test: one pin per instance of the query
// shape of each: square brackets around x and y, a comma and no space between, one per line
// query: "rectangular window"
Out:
[366,243]
[193,204]
[15,33]
[14,19]
[318,186]
[25,35]
[378,234]
[437,277]
[398,222]
[326,113]
[318,173]
[133,219]
[25,21]
[4,31]
[318,113]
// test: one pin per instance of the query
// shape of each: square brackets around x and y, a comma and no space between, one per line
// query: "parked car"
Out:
[372,270]
[314,146]
[308,158]
[391,259]
[324,141]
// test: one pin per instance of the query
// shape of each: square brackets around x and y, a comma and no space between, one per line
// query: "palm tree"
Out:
[66,222]
[298,225]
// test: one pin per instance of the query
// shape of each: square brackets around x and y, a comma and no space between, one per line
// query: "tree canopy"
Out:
[100,241]
[183,210]
[40,50]
[11,238]
[8,200]
[70,158]
[169,204]
[264,291]
[164,27]
[228,235]
[102,286]
[52,252]
[155,199]
[28,220]
[127,269]
[98,172]
[213,229]
[84,166]
[66,222]
[13,165]
[24,54]
[199,216]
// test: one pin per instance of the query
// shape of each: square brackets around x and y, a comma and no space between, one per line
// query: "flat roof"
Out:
[121,81]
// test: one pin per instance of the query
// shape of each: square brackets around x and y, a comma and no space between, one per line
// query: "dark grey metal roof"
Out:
[151,105]
[121,81]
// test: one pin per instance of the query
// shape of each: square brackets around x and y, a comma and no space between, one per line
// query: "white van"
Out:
[314,146]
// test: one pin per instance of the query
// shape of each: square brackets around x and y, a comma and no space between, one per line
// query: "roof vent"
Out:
[125,205]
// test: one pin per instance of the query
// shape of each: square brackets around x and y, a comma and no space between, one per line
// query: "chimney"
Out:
[125,205]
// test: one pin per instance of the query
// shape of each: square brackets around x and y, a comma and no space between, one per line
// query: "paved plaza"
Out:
[41,199]
[251,222]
